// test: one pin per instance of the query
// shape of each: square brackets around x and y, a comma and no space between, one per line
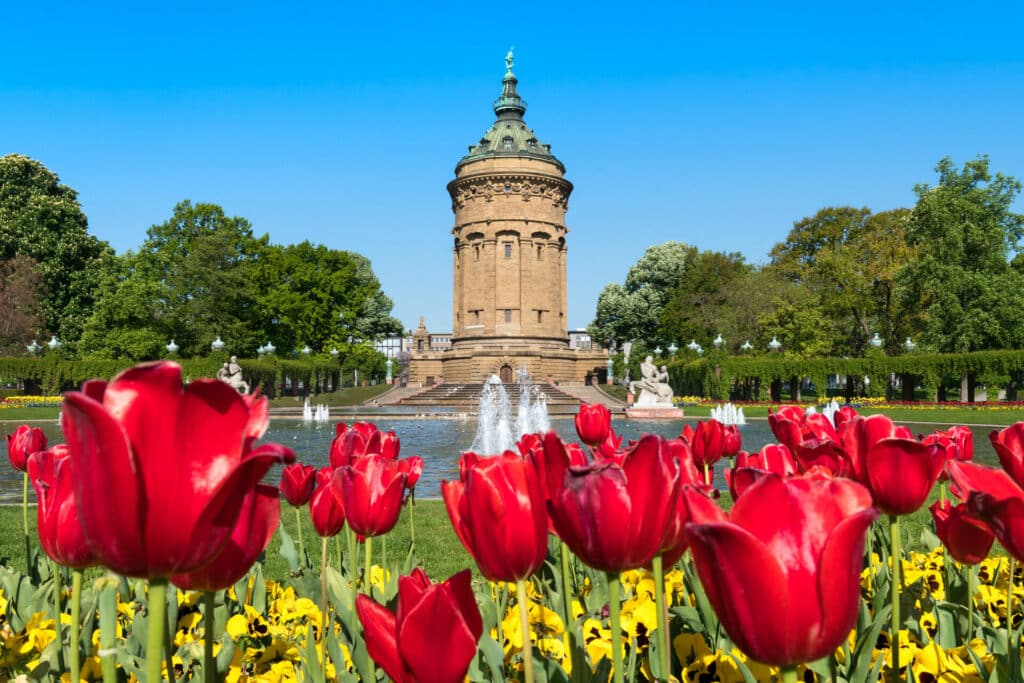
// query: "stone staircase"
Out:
[465,398]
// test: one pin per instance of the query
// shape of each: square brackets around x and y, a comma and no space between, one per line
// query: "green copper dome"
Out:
[510,136]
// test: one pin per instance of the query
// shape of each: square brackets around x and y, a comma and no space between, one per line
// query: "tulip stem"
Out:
[570,622]
[970,602]
[707,474]
[368,590]
[24,523]
[1010,603]
[894,594]
[412,519]
[366,569]
[56,616]
[323,607]
[615,607]
[659,603]
[156,611]
[209,628]
[789,674]
[76,623]
[350,536]
[108,630]
[524,627]
[298,529]
[169,648]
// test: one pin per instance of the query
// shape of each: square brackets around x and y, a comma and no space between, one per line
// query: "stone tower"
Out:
[509,197]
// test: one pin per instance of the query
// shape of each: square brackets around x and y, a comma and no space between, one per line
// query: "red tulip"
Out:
[593,422]
[1009,446]
[162,471]
[789,424]
[782,569]
[528,442]
[432,638]
[297,483]
[707,442]
[498,512]
[994,498]
[257,521]
[22,443]
[60,534]
[773,457]
[956,442]
[611,447]
[326,512]
[412,468]
[675,543]
[967,539]
[732,440]
[324,476]
[899,471]
[371,492]
[361,439]
[615,517]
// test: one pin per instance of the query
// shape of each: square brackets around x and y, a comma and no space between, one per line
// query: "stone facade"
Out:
[509,197]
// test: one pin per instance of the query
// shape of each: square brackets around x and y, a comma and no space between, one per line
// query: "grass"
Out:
[437,547]
[28,414]
[352,396]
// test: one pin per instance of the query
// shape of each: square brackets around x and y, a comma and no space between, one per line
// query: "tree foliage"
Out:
[203,274]
[21,295]
[633,311]
[962,280]
[40,218]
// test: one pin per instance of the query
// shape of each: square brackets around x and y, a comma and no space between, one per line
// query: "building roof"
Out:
[510,136]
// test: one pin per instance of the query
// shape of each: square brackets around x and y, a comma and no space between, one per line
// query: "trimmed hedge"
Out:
[722,376]
[52,375]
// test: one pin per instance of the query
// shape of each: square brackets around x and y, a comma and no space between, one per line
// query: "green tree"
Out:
[40,218]
[962,279]
[309,294]
[21,293]
[633,311]
[848,258]
[700,305]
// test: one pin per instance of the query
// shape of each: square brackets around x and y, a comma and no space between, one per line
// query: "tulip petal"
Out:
[747,588]
[901,474]
[967,476]
[445,655]
[838,578]
[380,631]
[103,461]
[453,492]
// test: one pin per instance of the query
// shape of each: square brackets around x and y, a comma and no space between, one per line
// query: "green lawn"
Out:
[351,396]
[27,415]
[437,546]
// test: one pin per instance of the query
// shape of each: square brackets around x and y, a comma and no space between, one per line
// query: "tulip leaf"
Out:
[822,667]
[259,589]
[548,670]
[334,650]
[288,551]
[40,673]
[311,670]
[744,671]
[950,623]
[361,660]
[226,654]
[709,618]
[493,655]
[860,669]
[690,616]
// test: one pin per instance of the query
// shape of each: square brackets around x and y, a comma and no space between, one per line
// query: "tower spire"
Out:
[509,105]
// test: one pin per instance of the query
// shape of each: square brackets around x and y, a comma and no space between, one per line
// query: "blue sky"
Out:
[710,123]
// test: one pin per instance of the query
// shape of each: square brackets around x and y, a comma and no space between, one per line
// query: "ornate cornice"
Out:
[525,185]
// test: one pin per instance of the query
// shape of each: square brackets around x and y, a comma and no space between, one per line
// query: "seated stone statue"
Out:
[654,389]
[231,374]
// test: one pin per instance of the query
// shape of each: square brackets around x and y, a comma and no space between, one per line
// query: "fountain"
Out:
[728,414]
[495,432]
[322,414]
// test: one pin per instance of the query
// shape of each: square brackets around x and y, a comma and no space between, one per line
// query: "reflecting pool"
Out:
[440,442]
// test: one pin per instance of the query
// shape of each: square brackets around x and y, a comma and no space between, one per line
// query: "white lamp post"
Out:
[774,344]
[718,341]
[217,344]
[909,345]
[34,348]
[875,341]
[172,348]
[746,346]
[269,348]
[54,343]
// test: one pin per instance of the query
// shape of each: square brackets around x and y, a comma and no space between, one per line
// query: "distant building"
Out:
[509,197]
[580,339]
[390,345]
